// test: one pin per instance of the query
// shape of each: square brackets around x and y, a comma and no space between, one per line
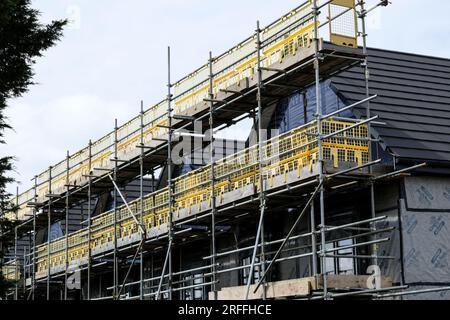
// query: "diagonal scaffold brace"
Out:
[299,218]
[141,230]
[141,244]
[166,260]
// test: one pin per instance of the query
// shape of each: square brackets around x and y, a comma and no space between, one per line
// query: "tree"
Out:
[22,39]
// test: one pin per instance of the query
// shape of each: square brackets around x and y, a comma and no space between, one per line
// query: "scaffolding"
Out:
[328,153]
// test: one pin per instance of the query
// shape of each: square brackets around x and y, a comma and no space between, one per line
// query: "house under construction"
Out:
[350,198]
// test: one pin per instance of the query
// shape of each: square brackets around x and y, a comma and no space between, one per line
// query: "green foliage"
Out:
[23,39]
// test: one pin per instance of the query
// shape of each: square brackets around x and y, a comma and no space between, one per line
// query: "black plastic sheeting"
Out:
[290,112]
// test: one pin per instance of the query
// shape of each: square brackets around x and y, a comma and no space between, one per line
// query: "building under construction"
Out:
[342,189]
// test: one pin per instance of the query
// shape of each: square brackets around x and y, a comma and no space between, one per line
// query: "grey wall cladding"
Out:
[426,193]
[426,246]
[426,237]
[390,267]
[386,203]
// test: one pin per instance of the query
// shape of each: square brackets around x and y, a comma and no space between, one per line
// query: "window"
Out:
[197,288]
[198,291]
[187,294]
[337,263]
[245,272]
[330,266]
[346,265]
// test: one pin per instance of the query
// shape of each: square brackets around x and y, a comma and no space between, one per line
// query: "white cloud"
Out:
[44,132]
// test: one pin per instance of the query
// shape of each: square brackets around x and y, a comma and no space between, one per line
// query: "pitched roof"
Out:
[413,99]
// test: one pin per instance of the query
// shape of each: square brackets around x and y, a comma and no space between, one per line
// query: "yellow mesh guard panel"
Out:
[296,150]
[343,29]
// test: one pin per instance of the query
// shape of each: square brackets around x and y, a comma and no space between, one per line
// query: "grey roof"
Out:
[413,99]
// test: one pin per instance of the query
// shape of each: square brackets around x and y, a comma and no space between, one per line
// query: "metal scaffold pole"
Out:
[25,264]
[141,203]
[16,259]
[17,203]
[153,212]
[115,262]
[318,115]
[262,194]
[213,177]
[49,226]
[66,249]
[365,66]
[89,222]
[16,266]
[28,266]
[314,270]
[169,172]
[33,276]
[262,198]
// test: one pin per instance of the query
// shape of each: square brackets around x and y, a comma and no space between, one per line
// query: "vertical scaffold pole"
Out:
[262,194]
[169,171]
[213,177]
[49,226]
[262,198]
[33,275]
[66,249]
[115,266]
[16,266]
[17,203]
[319,142]
[141,197]
[16,259]
[314,271]
[152,173]
[89,222]
[365,66]
[25,264]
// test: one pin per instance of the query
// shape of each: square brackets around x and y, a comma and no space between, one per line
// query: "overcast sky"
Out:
[114,54]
